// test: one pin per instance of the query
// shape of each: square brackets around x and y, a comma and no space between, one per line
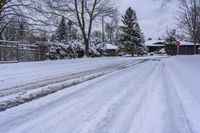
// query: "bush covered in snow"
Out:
[70,49]
[97,48]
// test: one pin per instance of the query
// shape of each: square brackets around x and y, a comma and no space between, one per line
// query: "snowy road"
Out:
[28,91]
[152,97]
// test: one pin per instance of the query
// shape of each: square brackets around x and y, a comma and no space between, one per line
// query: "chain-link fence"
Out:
[11,51]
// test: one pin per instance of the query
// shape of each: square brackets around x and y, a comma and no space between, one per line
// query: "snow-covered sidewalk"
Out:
[157,96]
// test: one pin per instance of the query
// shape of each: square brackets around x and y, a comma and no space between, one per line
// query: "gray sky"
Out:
[152,18]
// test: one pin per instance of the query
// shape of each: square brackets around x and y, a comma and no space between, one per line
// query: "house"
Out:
[185,48]
[155,45]
[111,50]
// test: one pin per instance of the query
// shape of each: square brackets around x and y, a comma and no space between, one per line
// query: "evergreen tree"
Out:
[170,42]
[53,38]
[61,33]
[132,38]
[21,35]
[69,27]
[21,29]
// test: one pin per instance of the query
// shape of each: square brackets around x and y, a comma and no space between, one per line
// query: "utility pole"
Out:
[70,29]
[178,43]
[178,50]
[103,38]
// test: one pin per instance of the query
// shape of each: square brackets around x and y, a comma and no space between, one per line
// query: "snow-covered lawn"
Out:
[155,96]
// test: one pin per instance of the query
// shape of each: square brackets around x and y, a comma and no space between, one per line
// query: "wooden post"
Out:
[178,50]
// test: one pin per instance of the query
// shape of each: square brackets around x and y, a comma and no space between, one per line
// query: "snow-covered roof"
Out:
[187,43]
[155,43]
[110,46]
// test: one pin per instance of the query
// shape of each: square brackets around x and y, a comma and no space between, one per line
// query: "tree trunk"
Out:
[86,42]
[1,38]
[194,48]
[132,52]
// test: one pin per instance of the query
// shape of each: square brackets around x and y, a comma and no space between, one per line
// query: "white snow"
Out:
[154,43]
[186,43]
[110,46]
[156,96]
[22,73]
[162,51]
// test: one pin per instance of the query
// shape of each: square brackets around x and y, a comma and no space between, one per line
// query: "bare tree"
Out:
[188,18]
[86,12]
[9,11]
[83,12]
[97,34]
[109,30]
[164,2]
[28,10]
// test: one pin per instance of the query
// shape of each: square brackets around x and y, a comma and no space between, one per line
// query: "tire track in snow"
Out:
[52,86]
[80,107]
[123,121]
[162,111]
[115,109]
[183,123]
[35,85]
[73,98]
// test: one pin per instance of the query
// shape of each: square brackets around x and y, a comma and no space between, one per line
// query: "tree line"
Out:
[188,18]
[60,21]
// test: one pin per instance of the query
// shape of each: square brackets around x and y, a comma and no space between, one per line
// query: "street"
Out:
[152,96]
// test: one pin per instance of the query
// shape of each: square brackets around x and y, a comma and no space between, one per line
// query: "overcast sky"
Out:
[152,18]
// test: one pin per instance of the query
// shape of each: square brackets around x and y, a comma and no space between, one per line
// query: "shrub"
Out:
[171,48]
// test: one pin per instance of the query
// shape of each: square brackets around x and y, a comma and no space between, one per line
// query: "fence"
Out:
[11,51]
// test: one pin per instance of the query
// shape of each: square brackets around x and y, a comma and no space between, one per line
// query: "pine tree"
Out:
[53,38]
[61,33]
[21,29]
[132,37]
[69,27]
